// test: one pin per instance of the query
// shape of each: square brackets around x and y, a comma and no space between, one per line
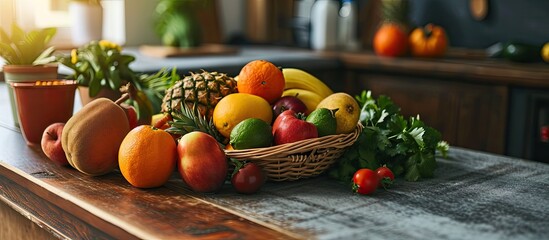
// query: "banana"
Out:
[300,79]
[309,98]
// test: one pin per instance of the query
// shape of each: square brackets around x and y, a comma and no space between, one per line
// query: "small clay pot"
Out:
[103,93]
[41,105]
[27,73]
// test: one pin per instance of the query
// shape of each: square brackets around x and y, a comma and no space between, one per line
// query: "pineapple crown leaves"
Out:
[27,48]
[188,120]
[160,81]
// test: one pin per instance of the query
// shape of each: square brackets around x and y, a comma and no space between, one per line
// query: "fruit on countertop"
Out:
[236,107]
[309,98]
[386,176]
[365,181]
[248,178]
[201,162]
[545,52]
[203,89]
[428,41]
[348,112]
[251,133]
[147,156]
[51,144]
[300,79]
[291,127]
[91,137]
[325,121]
[131,114]
[261,78]
[390,40]
[287,103]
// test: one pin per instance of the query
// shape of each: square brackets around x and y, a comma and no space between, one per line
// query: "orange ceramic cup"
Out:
[40,105]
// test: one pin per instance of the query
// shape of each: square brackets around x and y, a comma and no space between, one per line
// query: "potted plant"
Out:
[177,24]
[41,104]
[100,68]
[27,57]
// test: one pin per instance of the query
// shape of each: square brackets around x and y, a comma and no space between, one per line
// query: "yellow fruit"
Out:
[236,107]
[545,52]
[309,98]
[348,111]
[300,79]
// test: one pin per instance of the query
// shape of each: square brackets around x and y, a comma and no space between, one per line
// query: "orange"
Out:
[390,40]
[261,78]
[234,108]
[147,157]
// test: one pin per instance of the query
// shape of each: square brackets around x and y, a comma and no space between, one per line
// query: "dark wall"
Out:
[507,20]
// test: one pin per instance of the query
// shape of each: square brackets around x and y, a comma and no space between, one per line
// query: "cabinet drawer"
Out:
[468,115]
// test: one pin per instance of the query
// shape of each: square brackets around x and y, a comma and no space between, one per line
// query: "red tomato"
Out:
[390,40]
[386,176]
[365,181]
[248,179]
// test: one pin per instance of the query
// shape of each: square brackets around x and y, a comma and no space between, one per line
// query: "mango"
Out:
[91,138]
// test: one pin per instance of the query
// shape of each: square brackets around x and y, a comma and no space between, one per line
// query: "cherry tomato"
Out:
[365,181]
[248,179]
[386,176]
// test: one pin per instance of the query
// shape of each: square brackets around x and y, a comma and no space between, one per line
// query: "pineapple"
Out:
[199,91]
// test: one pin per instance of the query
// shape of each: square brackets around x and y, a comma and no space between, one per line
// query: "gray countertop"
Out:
[473,195]
[281,56]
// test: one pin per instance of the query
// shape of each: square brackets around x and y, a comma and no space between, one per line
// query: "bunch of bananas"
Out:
[309,89]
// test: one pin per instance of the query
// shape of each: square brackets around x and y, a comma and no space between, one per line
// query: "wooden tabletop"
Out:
[474,195]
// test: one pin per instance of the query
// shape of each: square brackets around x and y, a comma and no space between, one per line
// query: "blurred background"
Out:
[287,22]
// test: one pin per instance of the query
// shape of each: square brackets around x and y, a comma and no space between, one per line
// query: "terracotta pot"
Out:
[39,106]
[26,73]
[104,92]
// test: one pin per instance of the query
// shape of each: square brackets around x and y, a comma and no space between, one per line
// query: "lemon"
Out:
[234,108]
[325,121]
[545,52]
[348,113]
[251,133]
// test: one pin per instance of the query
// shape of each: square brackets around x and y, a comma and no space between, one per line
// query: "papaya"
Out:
[91,137]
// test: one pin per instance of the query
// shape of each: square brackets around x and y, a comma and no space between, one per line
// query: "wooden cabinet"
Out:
[468,115]
[465,95]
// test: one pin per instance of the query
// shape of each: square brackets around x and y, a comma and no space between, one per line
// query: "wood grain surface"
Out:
[71,204]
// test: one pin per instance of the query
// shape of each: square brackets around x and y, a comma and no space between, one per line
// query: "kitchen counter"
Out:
[474,195]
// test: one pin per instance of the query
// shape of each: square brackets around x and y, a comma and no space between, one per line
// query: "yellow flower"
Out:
[74,56]
[105,44]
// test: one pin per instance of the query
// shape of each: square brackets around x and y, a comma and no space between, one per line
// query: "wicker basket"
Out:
[302,159]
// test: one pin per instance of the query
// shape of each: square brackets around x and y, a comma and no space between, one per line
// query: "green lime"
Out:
[251,133]
[325,121]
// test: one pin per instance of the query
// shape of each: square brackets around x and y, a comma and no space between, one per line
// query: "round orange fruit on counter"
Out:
[147,157]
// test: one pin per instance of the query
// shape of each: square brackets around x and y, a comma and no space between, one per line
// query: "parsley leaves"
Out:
[406,146]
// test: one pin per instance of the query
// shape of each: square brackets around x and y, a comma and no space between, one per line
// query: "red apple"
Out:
[131,114]
[51,144]
[291,127]
[289,103]
[201,162]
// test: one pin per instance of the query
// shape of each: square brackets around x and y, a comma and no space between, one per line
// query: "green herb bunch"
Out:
[406,146]
[101,64]
[27,48]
